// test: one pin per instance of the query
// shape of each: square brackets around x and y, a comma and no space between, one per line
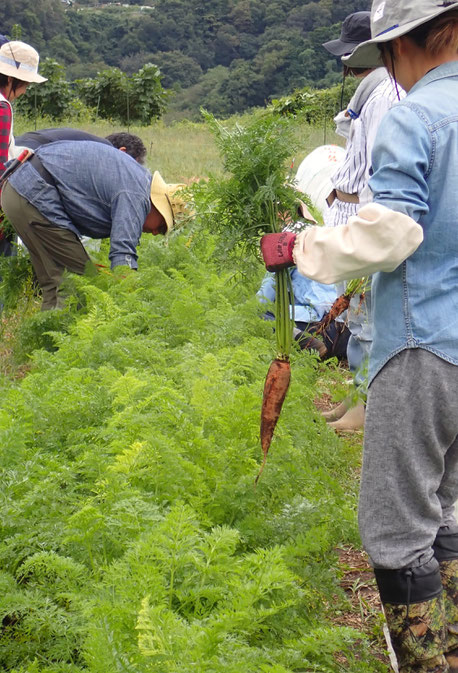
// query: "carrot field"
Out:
[132,536]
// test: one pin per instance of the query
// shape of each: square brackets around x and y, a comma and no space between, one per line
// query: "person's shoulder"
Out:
[402,126]
[387,92]
[403,111]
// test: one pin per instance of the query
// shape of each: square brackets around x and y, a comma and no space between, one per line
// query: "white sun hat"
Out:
[391,19]
[20,60]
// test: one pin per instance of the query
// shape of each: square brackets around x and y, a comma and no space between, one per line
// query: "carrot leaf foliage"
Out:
[131,537]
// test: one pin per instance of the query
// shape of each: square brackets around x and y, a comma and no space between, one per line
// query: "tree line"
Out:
[225,55]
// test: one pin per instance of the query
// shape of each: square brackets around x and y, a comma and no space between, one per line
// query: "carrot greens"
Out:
[254,198]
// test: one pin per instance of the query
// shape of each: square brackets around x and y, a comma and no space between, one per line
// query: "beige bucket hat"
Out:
[166,199]
[391,19]
[20,60]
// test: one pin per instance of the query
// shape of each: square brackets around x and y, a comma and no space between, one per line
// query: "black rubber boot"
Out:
[415,614]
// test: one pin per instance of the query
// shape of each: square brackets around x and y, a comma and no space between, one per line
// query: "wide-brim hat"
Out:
[165,197]
[20,60]
[356,28]
[391,19]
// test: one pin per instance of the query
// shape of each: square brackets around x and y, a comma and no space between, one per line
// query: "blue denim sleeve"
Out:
[401,162]
[266,292]
[128,214]
[316,296]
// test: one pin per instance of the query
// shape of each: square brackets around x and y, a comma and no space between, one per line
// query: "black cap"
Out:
[356,28]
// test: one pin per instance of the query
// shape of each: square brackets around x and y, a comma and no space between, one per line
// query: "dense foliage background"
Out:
[225,55]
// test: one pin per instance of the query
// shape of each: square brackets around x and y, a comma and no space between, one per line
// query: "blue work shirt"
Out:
[311,299]
[415,171]
[100,192]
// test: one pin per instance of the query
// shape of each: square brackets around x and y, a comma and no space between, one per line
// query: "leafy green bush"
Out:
[110,95]
[315,105]
[115,95]
[16,278]
[52,98]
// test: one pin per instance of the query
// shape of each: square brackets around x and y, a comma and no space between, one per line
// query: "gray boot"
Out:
[337,412]
[352,420]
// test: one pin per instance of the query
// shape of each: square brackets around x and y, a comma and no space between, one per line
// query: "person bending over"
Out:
[72,189]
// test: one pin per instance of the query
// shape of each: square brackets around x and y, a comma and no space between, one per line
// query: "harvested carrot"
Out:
[357,286]
[275,388]
[339,306]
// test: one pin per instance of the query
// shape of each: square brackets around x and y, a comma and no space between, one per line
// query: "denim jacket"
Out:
[415,172]
[100,192]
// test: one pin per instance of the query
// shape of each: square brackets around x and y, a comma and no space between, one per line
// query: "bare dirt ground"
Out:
[366,612]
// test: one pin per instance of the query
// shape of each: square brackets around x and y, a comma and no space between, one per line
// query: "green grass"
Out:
[184,150]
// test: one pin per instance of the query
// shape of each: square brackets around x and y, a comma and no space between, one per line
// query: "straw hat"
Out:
[391,19]
[165,198]
[20,60]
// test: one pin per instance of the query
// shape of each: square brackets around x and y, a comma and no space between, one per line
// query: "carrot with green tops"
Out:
[275,388]
[251,199]
[279,374]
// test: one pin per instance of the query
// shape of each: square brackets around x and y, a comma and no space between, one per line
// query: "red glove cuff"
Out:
[277,250]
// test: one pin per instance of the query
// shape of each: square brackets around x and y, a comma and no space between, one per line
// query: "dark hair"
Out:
[133,144]
[4,81]
[387,52]
[348,70]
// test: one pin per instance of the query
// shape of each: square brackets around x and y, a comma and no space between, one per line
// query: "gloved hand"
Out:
[277,250]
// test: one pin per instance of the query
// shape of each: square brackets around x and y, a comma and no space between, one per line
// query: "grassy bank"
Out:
[185,150]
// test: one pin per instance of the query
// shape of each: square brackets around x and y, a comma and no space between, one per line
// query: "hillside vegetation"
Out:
[227,56]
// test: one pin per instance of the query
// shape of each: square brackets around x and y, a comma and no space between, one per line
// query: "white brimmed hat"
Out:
[20,60]
[166,199]
[391,19]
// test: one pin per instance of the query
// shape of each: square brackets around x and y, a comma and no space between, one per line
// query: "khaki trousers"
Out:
[52,249]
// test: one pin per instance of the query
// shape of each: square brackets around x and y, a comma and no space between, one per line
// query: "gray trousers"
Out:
[52,249]
[409,481]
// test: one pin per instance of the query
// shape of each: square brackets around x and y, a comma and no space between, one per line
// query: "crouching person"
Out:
[407,238]
[68,190]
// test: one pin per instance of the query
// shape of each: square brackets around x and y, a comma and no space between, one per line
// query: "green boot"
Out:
[452,660]
[415,614]
[418,636]
[449,575]
[446,552]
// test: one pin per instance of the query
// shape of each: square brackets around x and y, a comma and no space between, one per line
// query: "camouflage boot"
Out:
[415,614]
[446,552]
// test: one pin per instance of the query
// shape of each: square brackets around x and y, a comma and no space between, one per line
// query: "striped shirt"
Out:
[353,175]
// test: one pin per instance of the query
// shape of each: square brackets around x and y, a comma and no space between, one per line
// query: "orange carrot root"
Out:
[339,306]
[275,389]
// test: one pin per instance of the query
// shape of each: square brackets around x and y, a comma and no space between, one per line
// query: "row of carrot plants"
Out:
[132,538]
